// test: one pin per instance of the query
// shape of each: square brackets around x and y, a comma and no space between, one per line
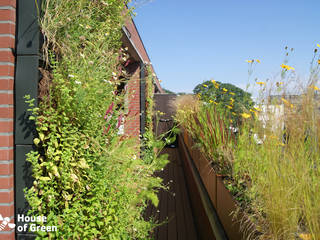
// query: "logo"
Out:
[4,222]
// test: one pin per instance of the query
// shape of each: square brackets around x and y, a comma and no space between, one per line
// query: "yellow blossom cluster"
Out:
[245,115]
[287,67]
[287,103]
[252,61]
[306,236]
[261,83]
[215,84]
[255,112]
[314,87]
[160,113]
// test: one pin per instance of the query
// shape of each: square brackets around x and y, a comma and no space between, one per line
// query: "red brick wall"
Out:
[7,43]
[132,123]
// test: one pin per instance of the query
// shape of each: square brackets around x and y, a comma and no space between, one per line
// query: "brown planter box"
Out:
[226,205]
[219,195]
[199,213]
[207,174]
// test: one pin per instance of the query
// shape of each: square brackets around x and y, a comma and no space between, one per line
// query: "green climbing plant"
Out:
[89,181]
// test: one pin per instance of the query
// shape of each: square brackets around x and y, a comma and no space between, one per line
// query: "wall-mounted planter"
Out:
[220,197]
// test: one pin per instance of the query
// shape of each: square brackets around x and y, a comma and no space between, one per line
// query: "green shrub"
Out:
[90,182]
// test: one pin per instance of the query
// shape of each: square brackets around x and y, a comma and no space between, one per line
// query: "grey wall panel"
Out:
[24,179]
[26,83]
[28,34]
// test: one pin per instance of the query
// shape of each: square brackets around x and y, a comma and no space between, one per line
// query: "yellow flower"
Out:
[225,90]
[258,109]
[230,107]
[286,102]
[318,45]
[305,236]
[249,61]
[255,113]
[205,85]
[257,60]
[216,85]
[245,115]
[287,67]
[210,101]
[213,81]
[261,83]
[234,114]
[315,87]
[231,99]
[231,121]
[232,93]
[215,103]
[273,137]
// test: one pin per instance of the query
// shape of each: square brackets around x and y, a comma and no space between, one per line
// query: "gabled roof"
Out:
[131,39]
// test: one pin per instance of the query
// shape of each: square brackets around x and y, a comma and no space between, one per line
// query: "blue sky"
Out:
[193,41]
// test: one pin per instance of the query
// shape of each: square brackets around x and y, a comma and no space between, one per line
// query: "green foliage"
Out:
[209,129]
[275,167]
[149,100]
[216,140]
[228,98]
[89,182]
[282,175]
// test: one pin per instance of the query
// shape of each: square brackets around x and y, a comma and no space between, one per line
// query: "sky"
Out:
[189,42]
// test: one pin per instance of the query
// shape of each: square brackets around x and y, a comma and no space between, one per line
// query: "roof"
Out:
[132,39]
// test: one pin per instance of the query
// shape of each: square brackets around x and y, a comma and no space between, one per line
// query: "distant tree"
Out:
[182,93]
[167,91]
[226,96]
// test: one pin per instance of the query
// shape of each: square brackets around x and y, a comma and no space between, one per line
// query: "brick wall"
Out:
[7,59]
[132,123]
[136,39]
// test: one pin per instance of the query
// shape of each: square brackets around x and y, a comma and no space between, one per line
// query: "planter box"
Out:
[226,205]
[220,197]
[207,174]
[200,215]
